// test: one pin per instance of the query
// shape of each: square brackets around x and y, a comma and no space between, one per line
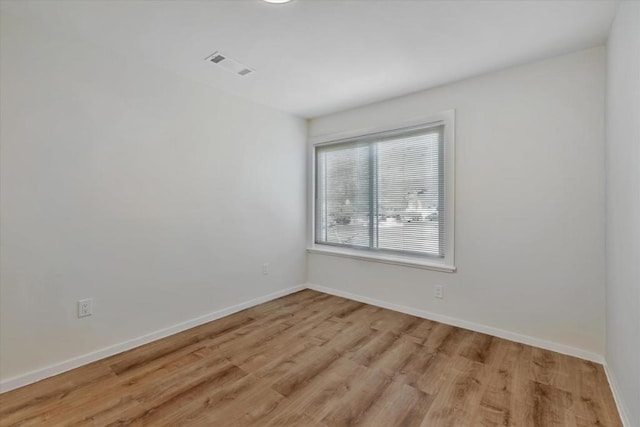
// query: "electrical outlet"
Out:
[85,307]
[438,291]
[265,268]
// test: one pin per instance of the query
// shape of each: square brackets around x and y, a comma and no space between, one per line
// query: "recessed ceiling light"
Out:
[277,1]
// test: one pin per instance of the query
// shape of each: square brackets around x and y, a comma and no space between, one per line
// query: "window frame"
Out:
[445,263]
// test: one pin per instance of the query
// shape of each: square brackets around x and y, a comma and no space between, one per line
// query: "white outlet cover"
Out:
[438,291]
[85,307]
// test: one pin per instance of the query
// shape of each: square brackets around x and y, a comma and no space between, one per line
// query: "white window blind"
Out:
[383,192]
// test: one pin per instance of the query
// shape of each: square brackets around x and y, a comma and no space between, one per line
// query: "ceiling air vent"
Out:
[229,64]
[217,59]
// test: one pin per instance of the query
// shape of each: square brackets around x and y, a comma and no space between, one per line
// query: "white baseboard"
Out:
[624,415]
[477,327]
[67,365]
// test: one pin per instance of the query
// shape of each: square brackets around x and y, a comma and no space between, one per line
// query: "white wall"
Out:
[529,204]
[155,195]
[623,209]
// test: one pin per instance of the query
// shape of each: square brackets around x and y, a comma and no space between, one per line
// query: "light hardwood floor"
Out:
[314,359]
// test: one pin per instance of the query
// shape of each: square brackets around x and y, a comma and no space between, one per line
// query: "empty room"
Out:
[320,213]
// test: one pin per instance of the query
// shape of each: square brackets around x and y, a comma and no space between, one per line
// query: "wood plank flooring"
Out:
[311,359]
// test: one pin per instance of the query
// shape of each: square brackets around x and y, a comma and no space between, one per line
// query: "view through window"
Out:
[383,192]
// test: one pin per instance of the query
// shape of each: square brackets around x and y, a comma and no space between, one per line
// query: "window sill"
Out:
[386,259]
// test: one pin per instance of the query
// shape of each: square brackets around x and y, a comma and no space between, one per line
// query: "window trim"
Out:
[442,264]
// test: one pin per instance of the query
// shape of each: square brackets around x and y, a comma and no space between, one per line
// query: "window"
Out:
[388,195]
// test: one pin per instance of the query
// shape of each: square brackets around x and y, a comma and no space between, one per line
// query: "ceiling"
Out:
[313,57]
